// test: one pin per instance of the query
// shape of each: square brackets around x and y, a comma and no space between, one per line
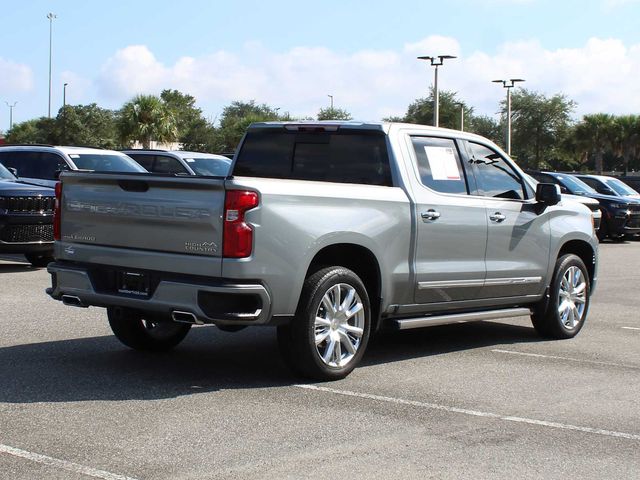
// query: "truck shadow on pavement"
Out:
[101,369]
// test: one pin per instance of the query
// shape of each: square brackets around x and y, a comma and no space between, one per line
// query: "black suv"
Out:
[620,215]
[26,219]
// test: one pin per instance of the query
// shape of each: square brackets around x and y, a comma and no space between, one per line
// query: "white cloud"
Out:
[609,5]
[14,77]
[601,76]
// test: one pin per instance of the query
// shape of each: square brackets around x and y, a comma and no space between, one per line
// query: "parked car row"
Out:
[619,203]
[26,204]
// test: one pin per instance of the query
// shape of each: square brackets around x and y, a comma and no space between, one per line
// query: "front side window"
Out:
[439,165]
[495,177]
[49,165]
[215,167]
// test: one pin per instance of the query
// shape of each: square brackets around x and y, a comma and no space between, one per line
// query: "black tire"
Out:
[547,319]
[39,260]
[145,332]
[297,340]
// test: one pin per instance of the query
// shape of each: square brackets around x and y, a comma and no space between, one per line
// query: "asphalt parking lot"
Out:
[482,400]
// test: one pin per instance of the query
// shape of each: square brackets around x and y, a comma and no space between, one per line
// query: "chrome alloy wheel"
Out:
[339,325]
[572,297]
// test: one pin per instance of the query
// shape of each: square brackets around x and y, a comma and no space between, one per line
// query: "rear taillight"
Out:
[238,236]
[56,212]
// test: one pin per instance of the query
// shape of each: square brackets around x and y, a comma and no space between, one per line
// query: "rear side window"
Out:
[105,162]
[42,165]
[341,156]
[439,165]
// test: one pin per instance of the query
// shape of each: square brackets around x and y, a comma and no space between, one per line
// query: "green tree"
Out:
[626,139]
[421,110]
[201,136]
[539,126]
[331,113]
[37,130]
[486,127]
[88,125]
[146,118]
[235,119]
[595,135]
[184,110]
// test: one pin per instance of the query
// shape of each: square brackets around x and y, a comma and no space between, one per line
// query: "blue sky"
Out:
[292,54]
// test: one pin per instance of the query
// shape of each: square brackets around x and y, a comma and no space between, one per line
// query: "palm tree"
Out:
[627,138]
[595,133]
[146,118]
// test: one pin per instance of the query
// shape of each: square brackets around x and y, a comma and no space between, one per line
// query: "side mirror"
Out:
[548,194]
[13,170]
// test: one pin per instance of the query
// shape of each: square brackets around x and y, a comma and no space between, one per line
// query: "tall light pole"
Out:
[331,97]
[11,113]
[436,62]
[50,16]
[461,105]
[509,84]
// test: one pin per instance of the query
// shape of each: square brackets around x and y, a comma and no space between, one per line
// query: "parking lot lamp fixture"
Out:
[331,97]
[436,62]
[508,84]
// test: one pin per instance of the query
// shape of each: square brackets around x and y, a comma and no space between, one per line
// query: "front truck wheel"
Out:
[329,334]
[145,332]
[565,311]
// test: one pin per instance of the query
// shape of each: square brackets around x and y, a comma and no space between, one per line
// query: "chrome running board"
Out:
[407,323]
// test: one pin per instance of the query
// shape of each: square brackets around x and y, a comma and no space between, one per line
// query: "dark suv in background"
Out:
[26,219]
[620,215]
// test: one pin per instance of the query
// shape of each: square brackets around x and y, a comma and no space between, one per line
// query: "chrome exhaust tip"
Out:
[185,317]
[72,301]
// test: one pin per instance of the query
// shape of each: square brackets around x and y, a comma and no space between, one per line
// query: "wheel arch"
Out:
[362,262]
[585,251]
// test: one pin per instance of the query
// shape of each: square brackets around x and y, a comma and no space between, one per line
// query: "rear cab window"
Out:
[341,156]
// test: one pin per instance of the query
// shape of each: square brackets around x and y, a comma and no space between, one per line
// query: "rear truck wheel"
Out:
[39,260]
[144,331]
[330,331]
[563,314]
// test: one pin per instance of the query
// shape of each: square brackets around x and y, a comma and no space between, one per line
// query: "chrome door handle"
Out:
[497,217]
[430,215]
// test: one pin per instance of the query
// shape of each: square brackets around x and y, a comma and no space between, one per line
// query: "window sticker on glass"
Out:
[189,160]
[443,164]
[74,155]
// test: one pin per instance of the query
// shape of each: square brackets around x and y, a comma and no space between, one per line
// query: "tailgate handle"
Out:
[133,185]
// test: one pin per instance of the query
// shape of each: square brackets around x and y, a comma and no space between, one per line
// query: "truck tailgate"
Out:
[144,212]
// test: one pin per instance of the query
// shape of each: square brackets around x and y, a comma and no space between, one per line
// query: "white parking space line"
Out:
[630,328]
[567,359]
[62,464]
[475,413]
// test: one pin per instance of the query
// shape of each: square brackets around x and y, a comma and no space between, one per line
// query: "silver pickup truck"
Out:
[330,231]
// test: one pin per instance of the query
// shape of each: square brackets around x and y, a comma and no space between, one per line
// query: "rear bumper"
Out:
[210,301]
